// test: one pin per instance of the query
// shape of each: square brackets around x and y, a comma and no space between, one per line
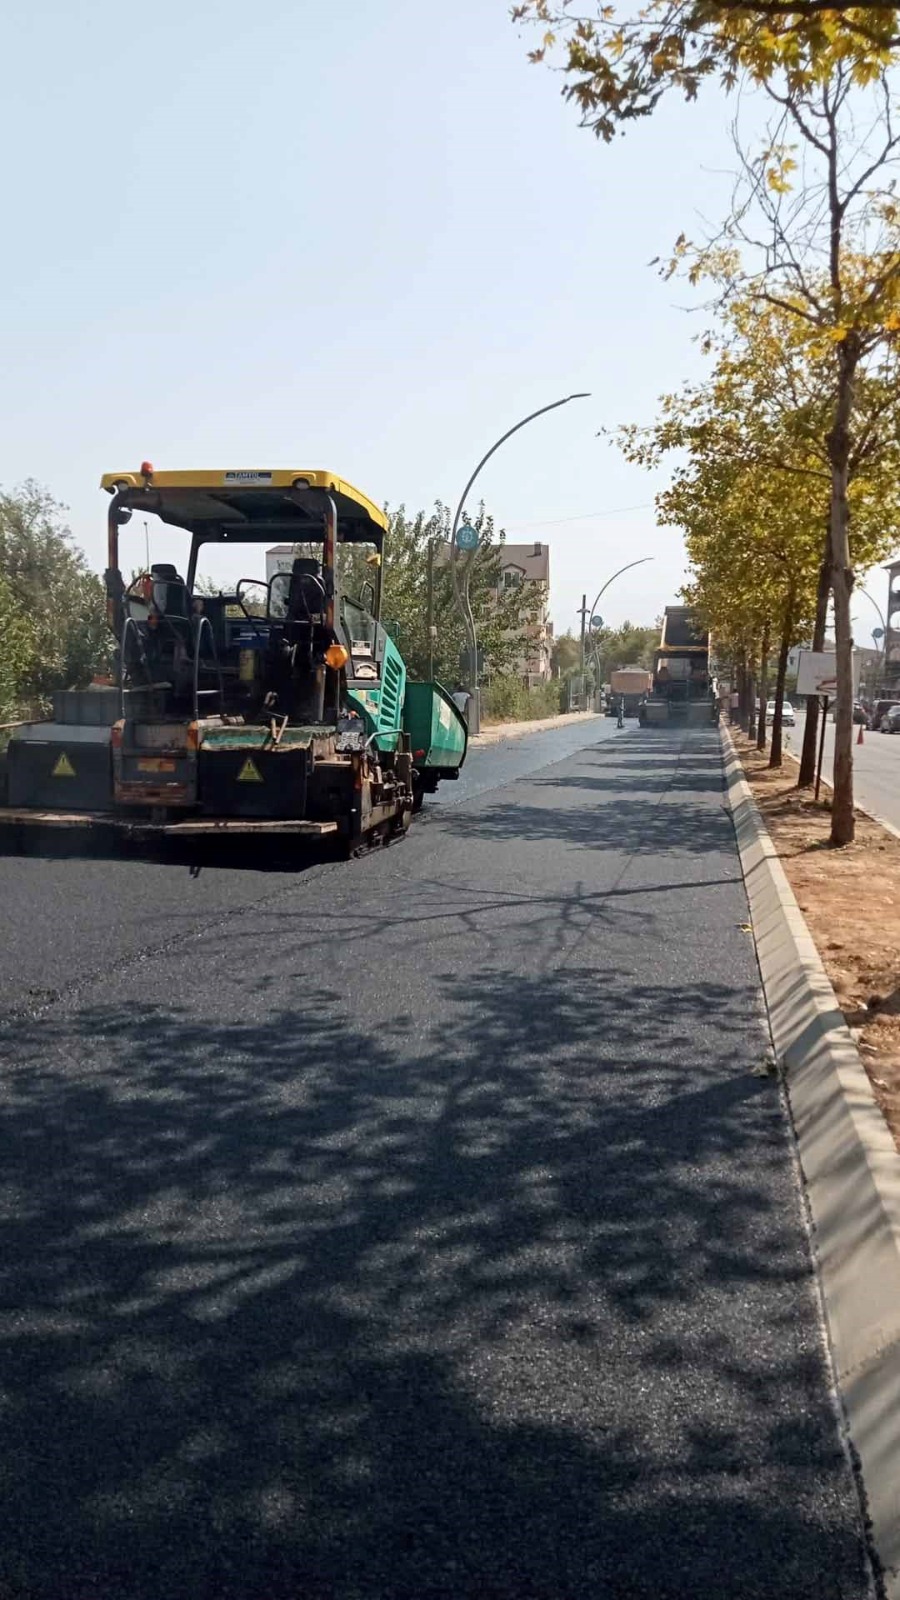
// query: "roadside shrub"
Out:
[508,700]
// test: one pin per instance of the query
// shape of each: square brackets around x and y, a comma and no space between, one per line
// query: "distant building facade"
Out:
[527,566]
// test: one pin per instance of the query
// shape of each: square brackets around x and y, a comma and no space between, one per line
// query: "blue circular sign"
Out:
[596,622]
[466,537]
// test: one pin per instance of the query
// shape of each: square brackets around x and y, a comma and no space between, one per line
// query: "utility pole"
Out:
[583,615]
[641,561]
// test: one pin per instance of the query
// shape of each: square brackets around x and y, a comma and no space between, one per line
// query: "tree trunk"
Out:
[763,689]
[843,821]
[751,697]
[807,774]
[747,693]
[787,629]
[734,689]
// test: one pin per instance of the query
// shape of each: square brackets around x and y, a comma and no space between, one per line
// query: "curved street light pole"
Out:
[883,650]
[875,604]
[627,568]
[461,594]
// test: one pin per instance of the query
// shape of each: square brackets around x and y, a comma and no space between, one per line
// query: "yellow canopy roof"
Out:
[248,503]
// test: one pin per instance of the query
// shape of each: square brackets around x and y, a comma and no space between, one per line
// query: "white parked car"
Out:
[787,713]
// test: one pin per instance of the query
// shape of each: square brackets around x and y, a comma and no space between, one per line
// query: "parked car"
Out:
[860,714]
[890,722]
[787,713]
[878,711]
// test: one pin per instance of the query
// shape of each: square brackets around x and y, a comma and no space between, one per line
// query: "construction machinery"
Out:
[628,687]
[278,705]
[682,691]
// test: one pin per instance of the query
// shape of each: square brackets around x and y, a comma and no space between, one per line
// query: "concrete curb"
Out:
[850,1165]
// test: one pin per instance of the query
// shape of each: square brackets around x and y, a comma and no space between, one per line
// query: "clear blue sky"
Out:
[364,237]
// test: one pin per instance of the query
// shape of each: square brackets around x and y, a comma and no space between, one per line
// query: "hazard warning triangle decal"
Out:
[63,768]
[250,772]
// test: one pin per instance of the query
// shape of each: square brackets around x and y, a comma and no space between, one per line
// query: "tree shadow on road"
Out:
[670,803]
[297,1306]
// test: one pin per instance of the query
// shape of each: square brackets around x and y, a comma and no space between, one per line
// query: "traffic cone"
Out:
[859,736]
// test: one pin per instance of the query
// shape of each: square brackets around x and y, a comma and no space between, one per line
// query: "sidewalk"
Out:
[516,730]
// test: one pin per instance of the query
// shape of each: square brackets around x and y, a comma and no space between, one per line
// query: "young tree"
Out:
[768,404]
[16,651]
[820,236]
[55,609]
[565,658]
[752,488]
[752,548]
[818,239]
[503,616]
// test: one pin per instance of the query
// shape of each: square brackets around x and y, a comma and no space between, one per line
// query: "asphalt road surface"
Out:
[876,767]
[413,1227]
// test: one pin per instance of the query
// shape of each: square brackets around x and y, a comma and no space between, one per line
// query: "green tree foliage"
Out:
[53,630]
[565,658]
[203,583]
[502,616]
[751,486]
[627,646]
[821,192]
[16,651]
[618,61]
[814,229]
[508,700]
[608,648]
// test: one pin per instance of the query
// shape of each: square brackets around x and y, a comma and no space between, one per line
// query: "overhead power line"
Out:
[583,516]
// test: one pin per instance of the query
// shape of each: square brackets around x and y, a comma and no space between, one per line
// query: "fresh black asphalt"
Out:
[413,1227]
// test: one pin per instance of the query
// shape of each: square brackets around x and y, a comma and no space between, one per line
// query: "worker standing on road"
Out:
[461,698]
[620,714]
